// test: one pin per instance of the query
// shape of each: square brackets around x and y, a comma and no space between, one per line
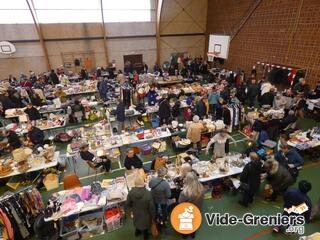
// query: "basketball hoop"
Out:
[212,55]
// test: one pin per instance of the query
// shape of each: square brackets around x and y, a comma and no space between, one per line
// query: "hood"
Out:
[138,192]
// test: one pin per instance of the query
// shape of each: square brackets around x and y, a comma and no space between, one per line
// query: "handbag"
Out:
[154,229]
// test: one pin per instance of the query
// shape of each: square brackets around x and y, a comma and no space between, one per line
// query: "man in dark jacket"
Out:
[164,111]
[32,112]
[132,161]
[252,92]
[121,116]
[268,97]
[53,78]
[93,161]
[6,102]
[35,135]
[250,179]
[291,118]
[301,88]
[290,159]
[13,140]
[200,109]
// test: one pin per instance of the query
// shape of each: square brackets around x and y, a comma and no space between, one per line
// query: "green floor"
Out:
[228,202]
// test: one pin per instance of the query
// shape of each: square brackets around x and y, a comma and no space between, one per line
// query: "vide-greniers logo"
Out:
[186,218]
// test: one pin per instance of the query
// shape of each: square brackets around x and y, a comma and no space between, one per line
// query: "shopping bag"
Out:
[154,229]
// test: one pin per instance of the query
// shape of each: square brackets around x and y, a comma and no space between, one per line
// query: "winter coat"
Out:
[194,132]
[53,77]
[36,136]
[267,99]
[279,177]
[298,88]
[140,201]
[294,197]
[251,175]
[6,102]
[252,91]
[103,89]
[291,157]
[201,109]
[33,113]
[160,190]
[164,109]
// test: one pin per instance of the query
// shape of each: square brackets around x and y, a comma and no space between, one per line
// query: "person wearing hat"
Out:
[194,132]
[97,162]
[32,112]
[161,192]
[294,197]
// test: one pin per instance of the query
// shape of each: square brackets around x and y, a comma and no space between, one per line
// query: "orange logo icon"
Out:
[186,218]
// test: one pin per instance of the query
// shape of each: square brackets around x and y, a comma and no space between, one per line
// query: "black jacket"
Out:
[14,140]
[251,175]
[252,90]
[135,162]
[6,102]
[164,109]
[267,99]
[54,78]
[36,136]
[33,113]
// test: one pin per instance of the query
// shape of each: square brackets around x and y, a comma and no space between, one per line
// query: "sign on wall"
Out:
[218,46]
[7,48]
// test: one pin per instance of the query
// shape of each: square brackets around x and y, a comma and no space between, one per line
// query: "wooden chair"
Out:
[71,181]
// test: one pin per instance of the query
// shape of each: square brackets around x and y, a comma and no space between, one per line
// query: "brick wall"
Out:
[277,32]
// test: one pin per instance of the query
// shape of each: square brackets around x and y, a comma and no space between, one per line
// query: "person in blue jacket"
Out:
[103,89]
[152,96]
[213,101]
[290,159]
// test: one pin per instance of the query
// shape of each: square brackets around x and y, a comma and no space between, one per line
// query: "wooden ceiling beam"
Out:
[158,22]
[103,26]
[39,31]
